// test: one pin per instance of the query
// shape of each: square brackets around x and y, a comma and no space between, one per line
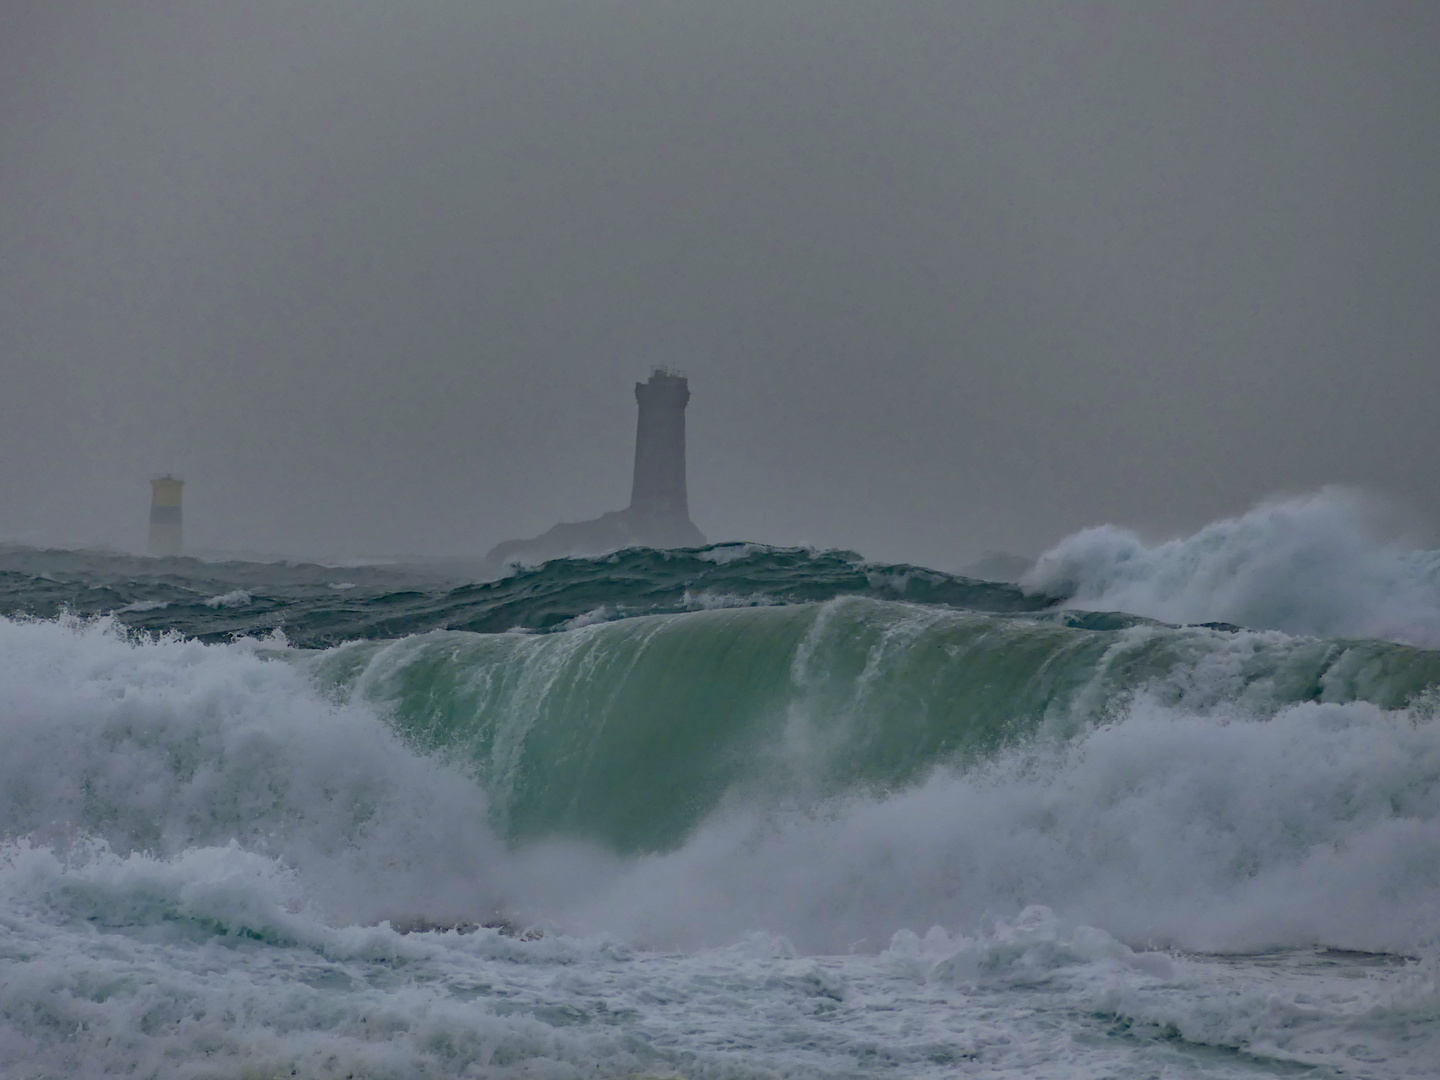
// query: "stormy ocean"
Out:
[739,811]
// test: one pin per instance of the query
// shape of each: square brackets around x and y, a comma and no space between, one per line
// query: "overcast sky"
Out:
[946,277]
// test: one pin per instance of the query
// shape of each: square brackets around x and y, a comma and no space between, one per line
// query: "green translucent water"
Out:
[631,732]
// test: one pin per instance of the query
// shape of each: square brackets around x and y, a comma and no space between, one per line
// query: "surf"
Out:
[834,770]
[445,823]
[630,733]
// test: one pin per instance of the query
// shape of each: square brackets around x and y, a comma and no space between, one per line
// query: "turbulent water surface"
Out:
[735,812]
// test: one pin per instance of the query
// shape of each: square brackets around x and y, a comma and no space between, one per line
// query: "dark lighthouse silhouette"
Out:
[659,511]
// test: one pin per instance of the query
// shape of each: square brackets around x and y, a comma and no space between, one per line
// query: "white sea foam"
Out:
[237,598]
[1320,826]
[712,600]
[197,846]
[142,605]
[1213,829]
[1318,564]
[213,964]
[1379,1019]
[723,554]
[595,615]
[162,746]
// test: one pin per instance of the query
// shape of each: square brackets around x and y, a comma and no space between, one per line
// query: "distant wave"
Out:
[220,601]
[1315,564]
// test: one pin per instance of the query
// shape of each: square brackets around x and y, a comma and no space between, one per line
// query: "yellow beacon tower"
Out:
[165,538]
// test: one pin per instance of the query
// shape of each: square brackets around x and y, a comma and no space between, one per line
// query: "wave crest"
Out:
[1314,565]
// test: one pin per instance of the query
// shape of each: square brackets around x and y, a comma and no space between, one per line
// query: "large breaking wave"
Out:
[1167,788]
[432,850]
[631,733]
[1321,564]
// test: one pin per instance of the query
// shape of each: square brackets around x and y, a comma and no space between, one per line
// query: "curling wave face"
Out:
[631,733]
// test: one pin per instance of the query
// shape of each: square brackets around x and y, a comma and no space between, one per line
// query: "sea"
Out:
[1158,810]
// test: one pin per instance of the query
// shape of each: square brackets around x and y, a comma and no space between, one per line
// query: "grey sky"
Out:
[379,277]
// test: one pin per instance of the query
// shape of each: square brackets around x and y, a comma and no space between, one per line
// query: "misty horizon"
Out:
[946,280]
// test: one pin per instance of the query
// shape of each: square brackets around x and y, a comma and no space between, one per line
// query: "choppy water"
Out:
[318,606]
[742,812]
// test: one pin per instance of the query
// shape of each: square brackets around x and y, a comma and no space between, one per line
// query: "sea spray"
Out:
[162,746]
[810,819]
[1205,817]
[214,909]
[1319,564]
[631,733]
[1319,825]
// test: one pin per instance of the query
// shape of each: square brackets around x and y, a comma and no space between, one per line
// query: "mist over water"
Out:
[946,279]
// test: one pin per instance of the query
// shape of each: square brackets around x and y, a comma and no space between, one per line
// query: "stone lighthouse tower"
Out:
[165,535]
[659,512]
[658,501]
